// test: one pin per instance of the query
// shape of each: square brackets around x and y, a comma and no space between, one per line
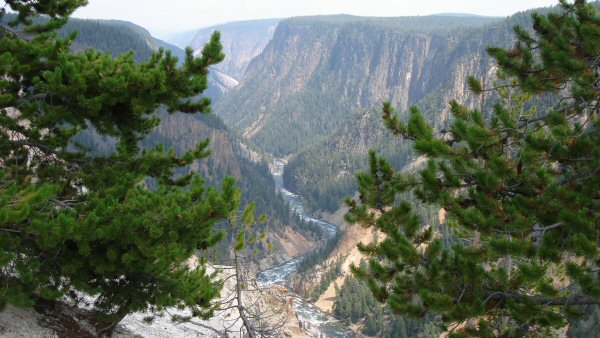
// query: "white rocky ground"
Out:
[23,323]
[17,323]
[274,303]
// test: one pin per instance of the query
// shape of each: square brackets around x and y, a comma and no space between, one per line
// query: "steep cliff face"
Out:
[316,71]
[242,41]
[324,172]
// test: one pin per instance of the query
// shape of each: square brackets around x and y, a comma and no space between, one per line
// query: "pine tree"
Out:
[397,328]
[71,222]
[520,188]
[374,322]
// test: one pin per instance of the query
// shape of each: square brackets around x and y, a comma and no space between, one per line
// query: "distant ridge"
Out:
[466,15]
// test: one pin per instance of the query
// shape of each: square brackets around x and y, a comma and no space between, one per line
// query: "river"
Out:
[307,312]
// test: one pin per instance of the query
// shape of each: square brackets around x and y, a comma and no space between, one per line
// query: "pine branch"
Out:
[219,333]
[576,299]
[35,145]
[543,230]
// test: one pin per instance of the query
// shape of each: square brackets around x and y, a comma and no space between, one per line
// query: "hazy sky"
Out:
[168,16]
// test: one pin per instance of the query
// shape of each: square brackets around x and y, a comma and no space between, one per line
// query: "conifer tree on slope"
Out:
[70,221]
[521,191]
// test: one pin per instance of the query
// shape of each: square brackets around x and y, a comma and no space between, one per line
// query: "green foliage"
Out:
[331,272]
[182,131]
[519,186]
[116,37]
[317,257]
[374,322]
[321,174]
[354,303]
[72,222]
[242,227]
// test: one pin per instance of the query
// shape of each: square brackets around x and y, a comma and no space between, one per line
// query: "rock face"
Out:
[242,41]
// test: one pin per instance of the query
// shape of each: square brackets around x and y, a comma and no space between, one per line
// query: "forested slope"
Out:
[316,90]
[317,70]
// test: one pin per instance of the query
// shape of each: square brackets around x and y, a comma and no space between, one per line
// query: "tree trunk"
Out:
[106,327]
[240,301]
